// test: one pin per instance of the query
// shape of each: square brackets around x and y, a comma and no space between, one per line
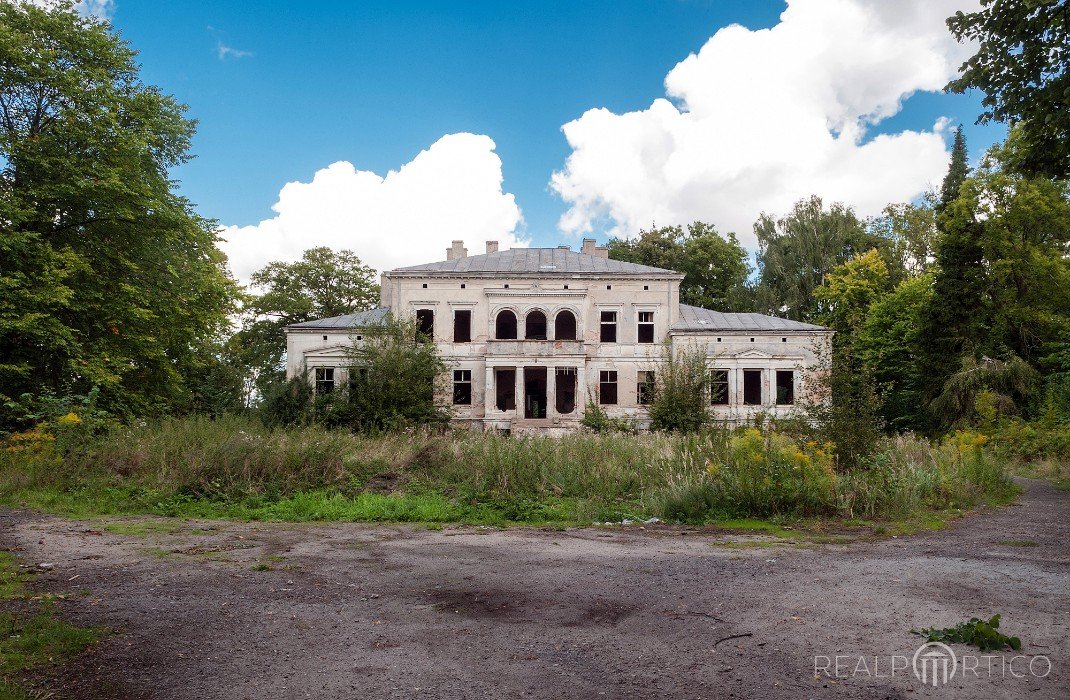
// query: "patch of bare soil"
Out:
[234,610]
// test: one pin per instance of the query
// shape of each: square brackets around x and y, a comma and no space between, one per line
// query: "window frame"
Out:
[642,325]
[497,324]
[725,383]
[465,337]
[427,330]
[603,324]
[790,387]
[545,325]
[607,379]
[575,325]
[644,385]
[761,389]
[460,381]
[321,381]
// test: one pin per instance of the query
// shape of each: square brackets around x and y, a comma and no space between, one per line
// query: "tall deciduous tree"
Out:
[1021,66]
[109,279]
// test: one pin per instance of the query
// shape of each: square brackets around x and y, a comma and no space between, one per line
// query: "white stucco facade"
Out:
[540,377]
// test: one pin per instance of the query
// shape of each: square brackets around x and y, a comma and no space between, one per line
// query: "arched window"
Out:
[505,325]
[565,326]
[535,326]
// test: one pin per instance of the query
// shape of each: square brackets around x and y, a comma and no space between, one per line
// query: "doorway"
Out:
[534,392]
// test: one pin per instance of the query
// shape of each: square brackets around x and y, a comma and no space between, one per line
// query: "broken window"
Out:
[324,380]
[535,325]
[608,322]
[719,387]
[505,325]
[646,326]
[752,387]
[644,386]
[462,326]
[785,387]
[607,387]
[565,389]
[505,389]
[462,387]
[425,323]
[565,326]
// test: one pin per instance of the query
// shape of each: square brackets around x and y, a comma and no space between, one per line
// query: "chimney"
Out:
[588,246]
[601,252]
[457,251]
[492,246]
[563,247]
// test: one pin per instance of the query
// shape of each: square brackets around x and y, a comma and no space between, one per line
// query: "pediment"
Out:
[752,355]
[340,350]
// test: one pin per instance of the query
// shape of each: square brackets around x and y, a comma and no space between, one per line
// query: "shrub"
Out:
[680,392]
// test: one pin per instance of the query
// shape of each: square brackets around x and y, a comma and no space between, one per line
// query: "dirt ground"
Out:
[234,610]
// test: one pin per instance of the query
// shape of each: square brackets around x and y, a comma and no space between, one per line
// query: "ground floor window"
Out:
[462,387]
[505,389]
[324,380]
[719,387]
[785,387]
[607,387]
[644,386]
[752,387]
[565,389]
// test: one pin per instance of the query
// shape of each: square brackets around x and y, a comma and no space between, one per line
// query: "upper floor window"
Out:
[324,380]
[565,326]
[462,326]
[505,325]
[646,326]
[425,323]
[785,387]
[535,325]
[462,387]
[719,387]
[607,387]
[608,323]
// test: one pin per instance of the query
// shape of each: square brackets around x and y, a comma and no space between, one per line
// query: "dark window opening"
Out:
[325,337]
[505,389]
[565,389]
[609,286]
[608,322]
[534,392]
[462,326]
[535,325]
[507,286]
[752,340]
[752,387]
[566,286]
[324,380]
[425,323]
[565,326]
[646,287]
[783,340]
[646,326]
[719,387]
[607,387]
[425,285]
[644,387]
[462,387]
[462,285]
[785,387]
[505,326]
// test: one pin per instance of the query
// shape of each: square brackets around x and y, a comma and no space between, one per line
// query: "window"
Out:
[785,387]
[646,326]
[719,387]
[644,387]
[646,287]
[462,285]
[609,286]
[425,323]
[505,389]
[609,327]
[462,387]
[752,387]
[505,326]
[565,389]
[565,326]
[425,285]
[324,380]
[566,286]
[462,326]
[535,325]
[325,337]
[607,387]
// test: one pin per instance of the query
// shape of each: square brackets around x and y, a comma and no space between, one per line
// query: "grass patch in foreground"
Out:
[31,636]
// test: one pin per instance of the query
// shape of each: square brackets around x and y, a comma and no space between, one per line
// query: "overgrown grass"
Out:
[235,468]
[30,634]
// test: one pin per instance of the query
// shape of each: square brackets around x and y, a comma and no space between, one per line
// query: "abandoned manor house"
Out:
[530,334]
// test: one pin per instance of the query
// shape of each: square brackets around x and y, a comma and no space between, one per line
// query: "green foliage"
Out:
[286,403]
[843,301]
[984,635]
[957,171]
[679,397]
[322,284]
[1021,69]
[109,278]
[597,420]
[911,228]
[715,268]
[1003,386]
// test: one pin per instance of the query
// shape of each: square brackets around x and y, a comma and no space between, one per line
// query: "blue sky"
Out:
[303,85]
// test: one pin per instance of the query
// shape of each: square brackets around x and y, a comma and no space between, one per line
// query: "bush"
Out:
[680,392]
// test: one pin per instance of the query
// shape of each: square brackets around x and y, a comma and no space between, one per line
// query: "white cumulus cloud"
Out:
[759,119]
[452,190]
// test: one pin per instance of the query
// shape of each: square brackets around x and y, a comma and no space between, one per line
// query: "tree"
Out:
[1021,66]
[912,230]
[679,394]
[322,284]
[797,251]
[715,268]
[110,280]
[957,171]
[843,301]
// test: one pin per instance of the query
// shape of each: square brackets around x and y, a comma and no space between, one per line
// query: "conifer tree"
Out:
[956,172]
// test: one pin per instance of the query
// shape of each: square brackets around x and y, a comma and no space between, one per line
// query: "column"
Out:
[551,391]
[519,398]
[488,390]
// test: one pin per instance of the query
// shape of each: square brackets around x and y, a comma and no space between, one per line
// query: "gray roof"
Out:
[696,318]
[357,320]
[537,260]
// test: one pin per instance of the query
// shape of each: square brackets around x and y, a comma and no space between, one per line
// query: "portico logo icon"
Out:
[935,663]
